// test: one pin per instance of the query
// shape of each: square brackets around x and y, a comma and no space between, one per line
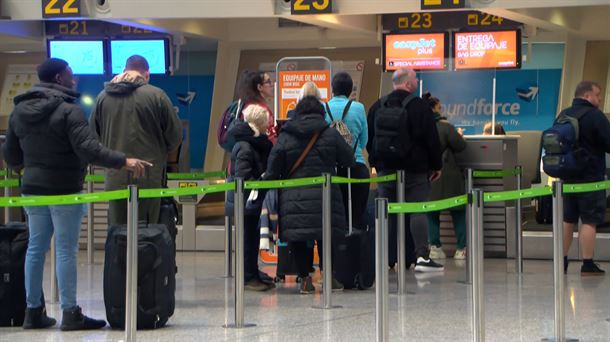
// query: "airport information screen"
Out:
[425,51]
[84,57]
[481,50]
[155,52]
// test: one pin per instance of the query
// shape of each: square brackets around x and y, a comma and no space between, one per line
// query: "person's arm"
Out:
[276,162]
[602,125]
[363,138]
[243,163]
[13,154]
[371,131]
[455,140]
[170,124]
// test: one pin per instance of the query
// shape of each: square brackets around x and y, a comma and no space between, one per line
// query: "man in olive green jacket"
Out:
[137,119]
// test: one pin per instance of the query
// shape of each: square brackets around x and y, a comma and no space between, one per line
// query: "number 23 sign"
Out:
[311,6]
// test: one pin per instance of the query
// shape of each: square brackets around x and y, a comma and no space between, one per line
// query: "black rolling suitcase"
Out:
[354,266]
[544,209]
[156,276]
[13,247]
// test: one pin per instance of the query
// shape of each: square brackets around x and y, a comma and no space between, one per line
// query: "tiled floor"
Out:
[436,308]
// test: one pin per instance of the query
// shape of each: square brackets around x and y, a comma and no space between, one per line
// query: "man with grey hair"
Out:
[403,136]
[589,207]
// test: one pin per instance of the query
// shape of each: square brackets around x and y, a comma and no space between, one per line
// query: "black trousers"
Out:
[303,257]
[251,246]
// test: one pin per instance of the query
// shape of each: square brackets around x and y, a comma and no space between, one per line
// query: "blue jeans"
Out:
[65,222]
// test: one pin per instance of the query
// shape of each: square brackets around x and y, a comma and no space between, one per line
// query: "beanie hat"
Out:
[50,68]
[257,118]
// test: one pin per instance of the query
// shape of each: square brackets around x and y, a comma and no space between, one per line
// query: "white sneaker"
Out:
[428,265]
[460,254]
[437,253]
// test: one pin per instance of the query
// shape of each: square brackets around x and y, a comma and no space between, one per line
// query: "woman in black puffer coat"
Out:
[300,209]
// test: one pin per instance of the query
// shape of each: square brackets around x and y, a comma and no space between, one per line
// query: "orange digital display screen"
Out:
[416,51]
[483,50]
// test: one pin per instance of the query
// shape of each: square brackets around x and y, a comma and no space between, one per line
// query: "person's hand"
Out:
[460,131]
[137,166]
[435,176]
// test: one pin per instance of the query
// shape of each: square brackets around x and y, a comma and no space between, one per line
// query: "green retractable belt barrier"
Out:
[496,173]
[512,195]
[586,187]
[31,201]
[382,179]
[424,207]
[284,183]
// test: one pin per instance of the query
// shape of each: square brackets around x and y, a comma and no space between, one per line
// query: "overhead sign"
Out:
[311,6]
[290,83]
[93,28]
[442,4]
[61,8]
[420,51]
[441,21]
[480,50]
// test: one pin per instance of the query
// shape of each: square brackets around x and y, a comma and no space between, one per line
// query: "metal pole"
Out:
[327,244]
[239,202]
[476,265]
[239,252]
[401,235]
[493,112]
[54,289]
[381,269]
[518,232]
[228,248]
[90,221]
[469,223]
[131,290]
[7,193]
[350,223]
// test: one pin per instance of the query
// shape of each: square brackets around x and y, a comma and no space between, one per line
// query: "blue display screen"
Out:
[84,57]
[152,50]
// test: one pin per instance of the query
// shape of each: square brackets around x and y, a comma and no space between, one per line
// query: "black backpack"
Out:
[389,140]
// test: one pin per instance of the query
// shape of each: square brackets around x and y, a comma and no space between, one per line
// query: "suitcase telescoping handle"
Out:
[131,178]
[349,201]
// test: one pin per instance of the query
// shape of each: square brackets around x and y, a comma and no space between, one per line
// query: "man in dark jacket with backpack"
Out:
[403,136]
[590,207]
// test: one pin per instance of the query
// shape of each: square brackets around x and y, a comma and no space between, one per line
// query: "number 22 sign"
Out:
[60,8]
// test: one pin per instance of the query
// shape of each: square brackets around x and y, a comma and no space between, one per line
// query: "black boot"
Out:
[37,318]
[73,319]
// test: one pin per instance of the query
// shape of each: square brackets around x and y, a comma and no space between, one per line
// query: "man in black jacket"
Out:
[422,162]
[590,207]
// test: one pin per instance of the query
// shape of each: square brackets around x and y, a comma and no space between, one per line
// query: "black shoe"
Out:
[428,265]
[73,319]
[265,278]
[36,318]
[591,269]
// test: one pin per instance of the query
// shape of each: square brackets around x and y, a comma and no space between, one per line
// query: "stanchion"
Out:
[469,223]
[327,244]
[518,230]
[54,289]
[559,323]
[238,203]
[131,289]
[228,248]
[7,193]
[90,221]
[476,265]
[401,235]
[381,270]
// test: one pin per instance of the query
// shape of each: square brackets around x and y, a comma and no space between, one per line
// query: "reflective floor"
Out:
[436,308]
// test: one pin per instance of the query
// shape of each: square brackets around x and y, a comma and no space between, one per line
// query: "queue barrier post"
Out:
[90,221]
[381,270]
[131,288]
[401,235]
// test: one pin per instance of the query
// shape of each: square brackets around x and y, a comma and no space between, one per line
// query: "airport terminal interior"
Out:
[515,63]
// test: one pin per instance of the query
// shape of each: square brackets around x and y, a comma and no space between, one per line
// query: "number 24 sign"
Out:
[60,8]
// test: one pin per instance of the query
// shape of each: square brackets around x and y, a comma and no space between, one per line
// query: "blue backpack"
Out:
[564,157]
